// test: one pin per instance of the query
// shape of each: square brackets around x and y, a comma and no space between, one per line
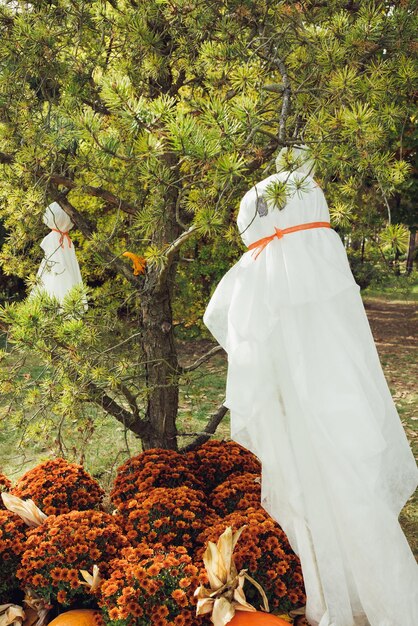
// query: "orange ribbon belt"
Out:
[63,234]
[260,244]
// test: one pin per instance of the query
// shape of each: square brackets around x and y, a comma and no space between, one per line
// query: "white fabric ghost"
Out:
[59,270]
[308,396]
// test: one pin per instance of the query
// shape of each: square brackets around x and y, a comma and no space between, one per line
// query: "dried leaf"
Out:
[26,509]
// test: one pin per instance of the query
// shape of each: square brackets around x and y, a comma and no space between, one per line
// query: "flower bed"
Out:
[150,469]
[149,553]
[56,550]
[58,487]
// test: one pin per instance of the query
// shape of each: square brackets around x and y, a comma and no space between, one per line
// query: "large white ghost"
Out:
[308,396]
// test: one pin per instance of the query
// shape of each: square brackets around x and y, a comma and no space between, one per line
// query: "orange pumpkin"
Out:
[79,617]
[259,618]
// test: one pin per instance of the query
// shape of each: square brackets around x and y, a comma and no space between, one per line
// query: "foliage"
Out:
[151,587]
[215,461]
[56,550]
[265,551]
[147,121]
[404,287]
[394,239]
[57,487]
[237,493]
[169,516]
[12,544]
[148,470]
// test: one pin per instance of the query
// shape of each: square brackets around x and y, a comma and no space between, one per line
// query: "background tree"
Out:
[147,120]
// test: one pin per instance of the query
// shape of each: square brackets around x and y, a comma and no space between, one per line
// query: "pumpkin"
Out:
[78,617]
[257,618]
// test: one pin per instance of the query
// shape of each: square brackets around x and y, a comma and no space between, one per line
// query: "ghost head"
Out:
[295,159]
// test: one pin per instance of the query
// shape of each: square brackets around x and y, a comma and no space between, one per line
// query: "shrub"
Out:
[214,461]
[57,487]
[265,551]
[151,587]
[168,516]
[239,492]
[12,544]
[57,549]
[152,468]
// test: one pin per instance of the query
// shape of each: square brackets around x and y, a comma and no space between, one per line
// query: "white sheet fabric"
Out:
[59,270]
[308,396]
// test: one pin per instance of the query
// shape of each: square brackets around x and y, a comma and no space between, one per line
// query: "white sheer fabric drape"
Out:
[307,395]
[59,270]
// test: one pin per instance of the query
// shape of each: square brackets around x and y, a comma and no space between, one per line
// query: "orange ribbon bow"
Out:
[260,244]
[63,234]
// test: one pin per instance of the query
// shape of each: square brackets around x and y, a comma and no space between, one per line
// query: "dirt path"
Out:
[395,329]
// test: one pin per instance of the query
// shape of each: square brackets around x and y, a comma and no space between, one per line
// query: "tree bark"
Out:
[162,368]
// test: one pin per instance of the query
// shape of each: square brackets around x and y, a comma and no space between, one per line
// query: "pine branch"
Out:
[210,429]
[98,192]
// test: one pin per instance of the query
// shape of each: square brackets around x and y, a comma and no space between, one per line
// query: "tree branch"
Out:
[286,97]
[98,192]
[205,357]
[171,251]
[6,158]
[141,428]
[210,429]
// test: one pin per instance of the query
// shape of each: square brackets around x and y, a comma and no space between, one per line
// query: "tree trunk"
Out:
[159,350]
[161,368]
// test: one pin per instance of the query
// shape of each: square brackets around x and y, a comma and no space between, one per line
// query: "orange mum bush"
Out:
[61,546]
[5,485]
[239,492]
[152,468]
[12,543]
[169,516]
[151,587]
[265,551]
[57,487]
[214,461]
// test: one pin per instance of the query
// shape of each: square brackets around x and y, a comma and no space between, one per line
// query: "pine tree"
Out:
[147,120]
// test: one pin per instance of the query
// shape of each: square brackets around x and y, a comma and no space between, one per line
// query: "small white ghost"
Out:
[59,270]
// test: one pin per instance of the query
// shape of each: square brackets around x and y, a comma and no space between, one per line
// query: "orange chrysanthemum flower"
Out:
[57,487]
[265,552]
[215,461]
[150,469]
[164,517]
[13,531]
[145,590]
[238,492]
[59,548]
